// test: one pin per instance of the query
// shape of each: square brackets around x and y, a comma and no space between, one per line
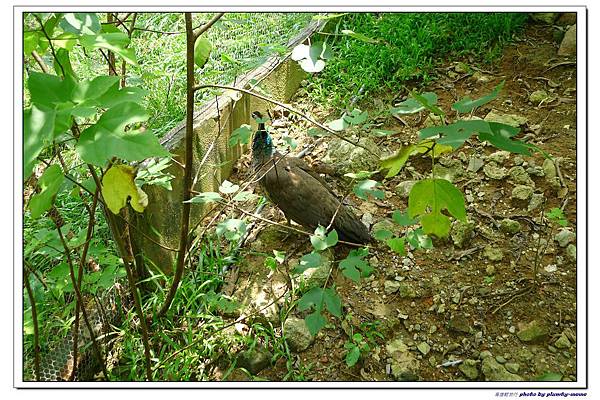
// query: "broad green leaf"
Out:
[321,241]
[279,256]
[202,49]
[206,197]
[49,90]
[62,60]
[382,234]
[115,95]
[467,104]
[49,183]
[403,219]
[30,41]
[395,162]
[108,138]
[356,117]
[368,187]
[229,59]
[338,124]
[428,198]
[307,261]
[397,245]
[65,41]
[418,240]
[232,229]
[354,267]
[352,356]
[88,90]
[455,134]
[38,129]
[500,136]
[118,186]
[115,42]
[80,23]
[359,36]
[427,104]
[290,142]
[228,187]
[312,298]
[240,135]
[315,322]
[411,105]
[332,302]
[549,377]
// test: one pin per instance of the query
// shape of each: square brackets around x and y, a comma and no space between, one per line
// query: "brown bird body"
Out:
[302,194]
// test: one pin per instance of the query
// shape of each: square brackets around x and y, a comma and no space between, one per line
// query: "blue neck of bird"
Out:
[262,145]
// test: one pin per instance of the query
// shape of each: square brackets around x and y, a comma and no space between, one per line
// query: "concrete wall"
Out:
[162,218]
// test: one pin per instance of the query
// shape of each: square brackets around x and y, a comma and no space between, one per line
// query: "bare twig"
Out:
[36,333]
[205,27]
[40,62]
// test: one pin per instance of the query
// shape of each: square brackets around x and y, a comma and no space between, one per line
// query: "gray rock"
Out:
[494,371]
[447,173]
[522,192]
[535,170]
[254,360]
[538,96]
[469,368]
[346,157]
[459,323]
[512,367]
[520,176]
[406,291]
[314,277]
[424,348]
[485,354]
[564,237]
[493,171]
[562,342]
[499,157]
[480,77]
[403,188]
[461,232]
[571,252]
[537,199]
[404,365]
[511,226]
[500,359]
[493,253]
[567,19]
[297,334]
[568,46]
[549,168]
[518,160]
[475,164]
[390,286]
[546,17]
[508,119]
[533,332]
[525,355]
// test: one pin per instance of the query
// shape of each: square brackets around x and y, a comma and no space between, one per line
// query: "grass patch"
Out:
[409,47]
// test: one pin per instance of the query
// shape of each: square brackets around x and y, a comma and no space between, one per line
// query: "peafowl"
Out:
[299,192]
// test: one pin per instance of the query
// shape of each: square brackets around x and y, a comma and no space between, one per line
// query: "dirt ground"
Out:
[467,304]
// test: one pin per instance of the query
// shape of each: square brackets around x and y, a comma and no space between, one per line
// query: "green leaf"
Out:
[38,129]
[395,162]
[333,303]
[438,195]
[500,136]
[312,298]
[232,229]
[290,142]
[80,23]
[467,104]
[244,196]
[320,241]
[310,58]
[352,356]
[30,41]
[455,134]
[403,219]
[65,41]
[279,256]
[315,322]
[425,101]
[338,124]
[108,138]
[241,135]
[397,245]
[118,188]
[356,117]
[49,90]
[89,90]
[116,95]
[49,183]
[359,36]
[307,261]
[549,377]
[228,187]
[368,187]
[202,49]
[411,105]
[354,267]
[382,234]
[115,42]
[556,214]
[62,57]
[418,240]
[206,197]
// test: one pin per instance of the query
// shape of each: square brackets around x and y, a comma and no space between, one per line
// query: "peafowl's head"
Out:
[262,144]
